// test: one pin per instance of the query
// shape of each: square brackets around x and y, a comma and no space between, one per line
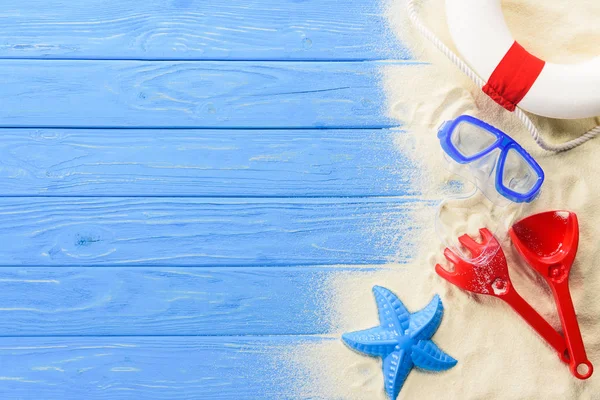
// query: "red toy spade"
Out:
[548,242]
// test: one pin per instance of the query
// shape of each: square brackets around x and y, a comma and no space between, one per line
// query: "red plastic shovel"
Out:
[548,242]
[489,275]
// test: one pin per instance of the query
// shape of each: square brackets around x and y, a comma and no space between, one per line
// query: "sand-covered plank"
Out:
[298,163]
[198,29]
[68,231]
[192,94]
[92,301]
[153,368]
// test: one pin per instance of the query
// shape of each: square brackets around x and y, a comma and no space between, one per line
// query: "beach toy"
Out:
[403,340]
[497,164]
[548,242]
[510,75]
[490,277]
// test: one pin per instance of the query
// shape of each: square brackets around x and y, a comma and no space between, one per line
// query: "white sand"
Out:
[499,356]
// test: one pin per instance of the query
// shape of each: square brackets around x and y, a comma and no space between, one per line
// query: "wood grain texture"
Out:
[198,29]
[202,232]
[299,163]
[192,94]
[130,248]
[142,301]
[149,368]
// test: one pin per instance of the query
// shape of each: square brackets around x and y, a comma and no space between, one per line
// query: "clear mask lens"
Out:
[517,174]
[471,140]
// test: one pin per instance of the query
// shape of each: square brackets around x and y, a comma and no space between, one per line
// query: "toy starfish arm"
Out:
[392,313]
[424,323]
[396,368]
[426,355]
[374,342]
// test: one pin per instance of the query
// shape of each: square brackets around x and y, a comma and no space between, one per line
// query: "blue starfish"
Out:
[403,340]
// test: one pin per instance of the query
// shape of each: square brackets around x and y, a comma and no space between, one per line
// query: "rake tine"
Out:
[444,273]
[469,243]
[452,257]
[486,235]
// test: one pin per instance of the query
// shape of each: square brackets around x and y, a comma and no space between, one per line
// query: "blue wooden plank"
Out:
[192,94]
[299,163]
[166,301]
[152,368]
[198,29]
[202,231]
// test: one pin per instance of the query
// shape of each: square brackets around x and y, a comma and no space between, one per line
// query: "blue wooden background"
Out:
[177,179]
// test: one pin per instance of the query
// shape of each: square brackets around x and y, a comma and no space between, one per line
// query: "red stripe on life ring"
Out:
[513,77]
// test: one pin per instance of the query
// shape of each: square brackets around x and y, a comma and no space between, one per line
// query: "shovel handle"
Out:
[579,364]
[538,323]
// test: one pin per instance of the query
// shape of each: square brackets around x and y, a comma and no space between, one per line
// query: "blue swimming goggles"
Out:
[488,151]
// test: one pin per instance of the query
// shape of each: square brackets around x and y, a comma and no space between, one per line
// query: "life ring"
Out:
[513,75]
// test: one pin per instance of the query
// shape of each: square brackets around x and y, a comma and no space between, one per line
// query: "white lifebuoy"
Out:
[482,37]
